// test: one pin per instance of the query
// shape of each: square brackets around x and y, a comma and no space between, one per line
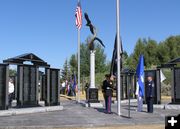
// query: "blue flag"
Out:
[140,75]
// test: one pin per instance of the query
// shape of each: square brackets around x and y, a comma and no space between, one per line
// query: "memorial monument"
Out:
[28,79]
[92,91]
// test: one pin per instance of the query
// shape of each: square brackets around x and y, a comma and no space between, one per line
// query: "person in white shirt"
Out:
[11,91]
[139,98]
[63,88]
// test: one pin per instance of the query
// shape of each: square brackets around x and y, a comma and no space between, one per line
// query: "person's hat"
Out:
[107,75]
[150,75]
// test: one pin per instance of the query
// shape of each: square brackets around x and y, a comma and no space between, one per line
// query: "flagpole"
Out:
[78,63]
[118,57]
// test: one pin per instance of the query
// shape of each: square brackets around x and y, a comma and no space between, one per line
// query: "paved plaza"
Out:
[75,115]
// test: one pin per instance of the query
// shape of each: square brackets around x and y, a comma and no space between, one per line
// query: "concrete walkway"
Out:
[75,115]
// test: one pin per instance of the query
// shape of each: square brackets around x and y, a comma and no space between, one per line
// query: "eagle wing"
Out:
[87,19]
[100,41]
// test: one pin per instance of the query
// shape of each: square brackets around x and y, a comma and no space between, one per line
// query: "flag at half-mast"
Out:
[78,16]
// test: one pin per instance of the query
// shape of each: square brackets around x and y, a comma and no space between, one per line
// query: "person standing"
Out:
[11,92]
[139,98]
[63,88]
[107,93]
[149,94]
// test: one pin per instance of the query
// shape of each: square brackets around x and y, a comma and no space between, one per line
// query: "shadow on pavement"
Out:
[102,110]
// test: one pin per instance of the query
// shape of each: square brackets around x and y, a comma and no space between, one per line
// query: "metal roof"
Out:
[174,61]
[35,60]
[170,64]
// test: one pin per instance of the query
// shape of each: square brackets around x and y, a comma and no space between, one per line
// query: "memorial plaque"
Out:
[27,86]
[157,89]
[4,78]
[93,95]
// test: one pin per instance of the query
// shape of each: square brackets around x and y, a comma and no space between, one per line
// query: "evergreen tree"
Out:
[154,53]
[151,53]
[73,64]
[66,71]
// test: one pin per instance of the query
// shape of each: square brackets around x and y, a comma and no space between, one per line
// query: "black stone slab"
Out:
[27,89]
[176,87]
[4,79]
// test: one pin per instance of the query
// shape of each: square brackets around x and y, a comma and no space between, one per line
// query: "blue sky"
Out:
[47,27]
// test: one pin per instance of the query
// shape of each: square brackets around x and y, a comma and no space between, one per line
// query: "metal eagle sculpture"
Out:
[93,31]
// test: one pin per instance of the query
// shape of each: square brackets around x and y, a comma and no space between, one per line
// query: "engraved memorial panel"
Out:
[177,85]
[27,86]
[4,77]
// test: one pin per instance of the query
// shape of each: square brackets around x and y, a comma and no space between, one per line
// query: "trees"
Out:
[151,53]
[85,60]
[173,46]
[73,63]
[100,59]
[70,66]
[66,71]
[12,72]
[162,53]
[138,50]
[154,53]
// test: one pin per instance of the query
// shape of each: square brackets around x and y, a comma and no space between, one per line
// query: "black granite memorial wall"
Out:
[176,87]
[4,79]
[128,86]
[52,83]
[27,90]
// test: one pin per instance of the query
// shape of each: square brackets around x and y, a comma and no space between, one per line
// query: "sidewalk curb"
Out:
[20,111]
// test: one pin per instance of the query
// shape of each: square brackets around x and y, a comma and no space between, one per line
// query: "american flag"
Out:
[78,16]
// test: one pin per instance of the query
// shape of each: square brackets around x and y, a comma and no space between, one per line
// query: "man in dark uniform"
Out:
[107,93]
[149,94]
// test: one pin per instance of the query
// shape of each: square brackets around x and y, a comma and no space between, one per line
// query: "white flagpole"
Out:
[118,57]
[78,63]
